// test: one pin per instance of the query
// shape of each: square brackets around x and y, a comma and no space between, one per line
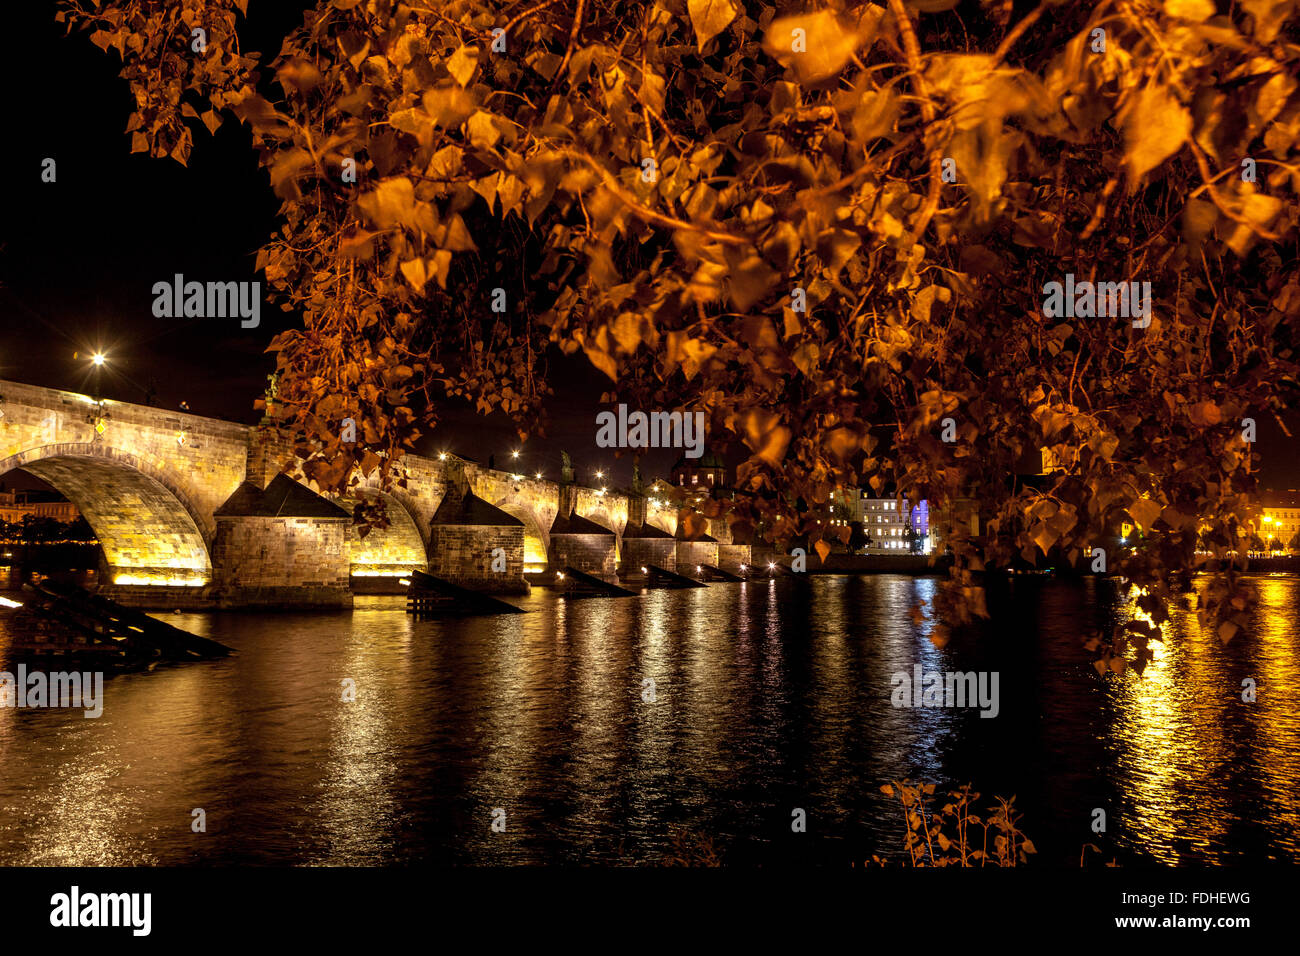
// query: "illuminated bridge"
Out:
[196,511]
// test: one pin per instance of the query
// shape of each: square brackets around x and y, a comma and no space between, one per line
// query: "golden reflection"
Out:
[1180,754]
[759,686]
[356,796]
[1277,724]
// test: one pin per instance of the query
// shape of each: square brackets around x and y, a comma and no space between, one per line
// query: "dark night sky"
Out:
[80,257]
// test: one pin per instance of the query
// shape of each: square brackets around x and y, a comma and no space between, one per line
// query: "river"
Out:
[768,696]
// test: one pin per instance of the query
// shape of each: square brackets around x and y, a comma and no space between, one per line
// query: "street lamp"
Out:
[97,360]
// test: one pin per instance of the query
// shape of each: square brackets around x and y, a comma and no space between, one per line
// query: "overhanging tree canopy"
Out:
[828,226]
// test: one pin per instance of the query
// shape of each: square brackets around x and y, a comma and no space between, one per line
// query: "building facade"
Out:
[895,525]
[14,505]
[1280,520]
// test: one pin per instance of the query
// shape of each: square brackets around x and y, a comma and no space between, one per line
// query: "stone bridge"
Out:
[193,511]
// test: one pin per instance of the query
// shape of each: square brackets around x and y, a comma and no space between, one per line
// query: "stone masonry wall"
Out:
[638,552]
[693,553]
[732,556]
[462,554]
[291,561]
[590,553]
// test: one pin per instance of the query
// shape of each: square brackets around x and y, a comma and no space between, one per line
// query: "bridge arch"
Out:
[148,527]
[536,538]
[391,551]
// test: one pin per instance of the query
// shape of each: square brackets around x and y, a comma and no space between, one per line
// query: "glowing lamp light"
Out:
[158,581]
[98,358]
[5,602]
[515,453]
[645,570]
[405,582]
[600,474]
[538,476]
[442,456]
[771,566]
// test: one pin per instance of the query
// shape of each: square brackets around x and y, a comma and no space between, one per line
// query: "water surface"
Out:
[768,696]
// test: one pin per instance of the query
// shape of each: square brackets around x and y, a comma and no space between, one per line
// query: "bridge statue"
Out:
[566,468]
[272,389]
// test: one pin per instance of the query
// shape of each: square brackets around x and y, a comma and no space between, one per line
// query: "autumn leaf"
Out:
[1155,128]
[750,280]
[482,131]
[710,17]
[694,525]
[1205,414]
[391,203]
[1145,512]
[462,64]
[1197,10]
[417,273]
[816,45]
[764,433]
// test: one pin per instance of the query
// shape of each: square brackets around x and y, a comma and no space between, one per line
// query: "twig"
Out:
[573,38]
[649,215]
[1010,39]
[526,14]
[913,52]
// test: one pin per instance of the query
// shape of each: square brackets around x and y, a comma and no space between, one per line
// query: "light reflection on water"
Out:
[768,696]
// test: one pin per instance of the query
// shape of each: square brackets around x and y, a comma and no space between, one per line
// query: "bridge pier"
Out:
[284,546]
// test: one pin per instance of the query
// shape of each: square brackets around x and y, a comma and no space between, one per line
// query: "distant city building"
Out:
[894,525]
[1281,516]
[704,473]
[39,504]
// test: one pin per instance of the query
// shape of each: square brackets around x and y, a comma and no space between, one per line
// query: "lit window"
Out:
[695,479]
